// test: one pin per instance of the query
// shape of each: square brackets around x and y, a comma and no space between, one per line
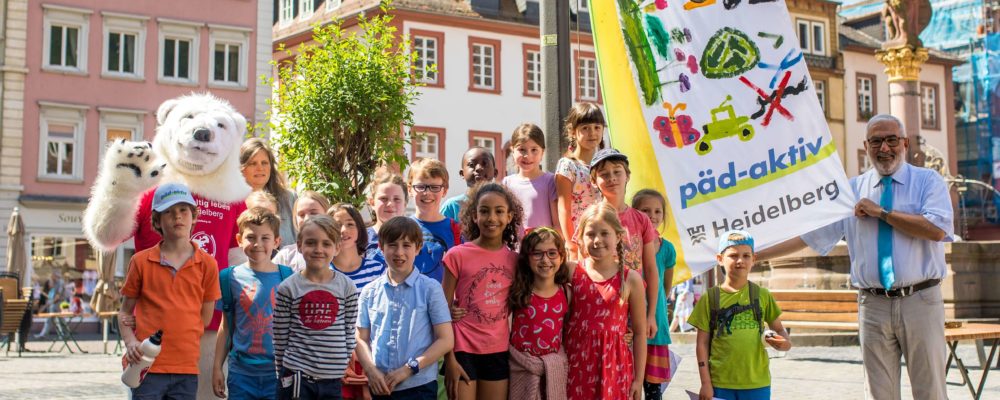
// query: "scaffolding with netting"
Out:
[977,98]
[966,29]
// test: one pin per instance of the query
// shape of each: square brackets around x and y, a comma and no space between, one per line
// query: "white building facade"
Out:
[487,79]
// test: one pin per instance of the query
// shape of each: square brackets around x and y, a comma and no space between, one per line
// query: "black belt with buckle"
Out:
[903,291]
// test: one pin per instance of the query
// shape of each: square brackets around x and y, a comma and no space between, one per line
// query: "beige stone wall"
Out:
[969,289]
[265,10]
[819,10]
[13,71]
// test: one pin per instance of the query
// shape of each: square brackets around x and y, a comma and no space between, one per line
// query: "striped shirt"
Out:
[372,267]
[372,240]
[314,325]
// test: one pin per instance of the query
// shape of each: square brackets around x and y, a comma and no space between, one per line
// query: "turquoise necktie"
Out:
[886,274]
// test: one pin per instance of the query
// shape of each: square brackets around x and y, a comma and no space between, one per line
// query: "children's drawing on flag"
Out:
[713,104]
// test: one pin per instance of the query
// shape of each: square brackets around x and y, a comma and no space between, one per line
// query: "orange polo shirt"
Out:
[172,303]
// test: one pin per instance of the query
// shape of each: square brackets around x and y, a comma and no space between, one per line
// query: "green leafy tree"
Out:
[338,111]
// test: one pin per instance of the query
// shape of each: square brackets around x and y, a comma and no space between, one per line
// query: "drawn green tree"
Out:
[639,51]
[340,106]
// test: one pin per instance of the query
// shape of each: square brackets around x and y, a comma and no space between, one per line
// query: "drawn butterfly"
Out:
[676,130]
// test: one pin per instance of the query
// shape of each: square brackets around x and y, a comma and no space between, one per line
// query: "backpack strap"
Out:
[456,231]
[755,303]
[714,293]
[228,303]
[713,306]
[225,280]
[284,270]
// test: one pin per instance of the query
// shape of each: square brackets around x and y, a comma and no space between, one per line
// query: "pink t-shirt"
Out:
[638,232]
[484,278]
[214,232]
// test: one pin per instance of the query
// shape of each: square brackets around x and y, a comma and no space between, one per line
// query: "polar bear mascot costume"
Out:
[197,143]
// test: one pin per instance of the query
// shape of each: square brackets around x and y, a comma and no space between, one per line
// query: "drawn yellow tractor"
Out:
[729,125]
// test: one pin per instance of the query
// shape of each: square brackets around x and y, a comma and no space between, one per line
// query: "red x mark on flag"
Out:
[774,100]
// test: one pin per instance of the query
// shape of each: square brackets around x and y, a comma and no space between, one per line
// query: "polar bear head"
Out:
[199,136]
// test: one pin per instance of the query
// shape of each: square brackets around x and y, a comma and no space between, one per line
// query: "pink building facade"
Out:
[96,71]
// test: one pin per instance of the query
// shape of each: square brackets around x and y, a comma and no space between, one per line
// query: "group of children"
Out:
[543,286]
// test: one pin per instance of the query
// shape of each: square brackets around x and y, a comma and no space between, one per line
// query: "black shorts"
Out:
[487,367]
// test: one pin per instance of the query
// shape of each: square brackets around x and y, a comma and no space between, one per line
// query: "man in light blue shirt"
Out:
[895,241]
[404,324]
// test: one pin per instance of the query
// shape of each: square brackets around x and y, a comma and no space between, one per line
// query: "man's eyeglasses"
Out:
[425,188]
[892,141]
[537,255]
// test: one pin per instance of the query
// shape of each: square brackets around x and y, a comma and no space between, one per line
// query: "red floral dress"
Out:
[600,362]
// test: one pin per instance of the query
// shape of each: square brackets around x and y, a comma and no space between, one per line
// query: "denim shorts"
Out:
[249,387]
[292,385]
[167,386]
[763,393]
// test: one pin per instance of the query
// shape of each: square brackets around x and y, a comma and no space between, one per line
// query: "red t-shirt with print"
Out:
[214,232]
[638,232]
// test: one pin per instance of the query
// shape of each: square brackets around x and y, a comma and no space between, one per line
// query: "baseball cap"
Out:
[607,154]
[728,240]
[168,194]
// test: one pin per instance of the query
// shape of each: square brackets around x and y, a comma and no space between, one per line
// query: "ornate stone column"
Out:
[903,54]
[902,66]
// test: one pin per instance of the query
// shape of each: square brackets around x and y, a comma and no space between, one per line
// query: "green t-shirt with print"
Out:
[739,360]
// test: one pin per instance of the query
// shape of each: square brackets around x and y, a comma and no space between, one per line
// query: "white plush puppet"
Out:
[197,143]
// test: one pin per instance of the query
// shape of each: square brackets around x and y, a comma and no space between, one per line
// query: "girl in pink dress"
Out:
[539,300]
[478,276]
[605,296]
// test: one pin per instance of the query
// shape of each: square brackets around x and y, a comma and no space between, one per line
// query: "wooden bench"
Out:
[828,310]
[107,318]
[12,312]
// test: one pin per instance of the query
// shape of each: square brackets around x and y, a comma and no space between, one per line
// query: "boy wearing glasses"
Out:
[428,183]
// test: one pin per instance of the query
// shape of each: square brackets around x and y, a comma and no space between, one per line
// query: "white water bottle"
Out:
[150,348]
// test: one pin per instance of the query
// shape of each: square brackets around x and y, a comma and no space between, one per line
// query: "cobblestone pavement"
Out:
[804,373]
[42,375]
[819,373]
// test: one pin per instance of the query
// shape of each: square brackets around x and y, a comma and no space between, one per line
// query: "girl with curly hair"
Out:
[478,276]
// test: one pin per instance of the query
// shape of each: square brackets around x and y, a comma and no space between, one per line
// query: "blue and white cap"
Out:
[735,238]
[607,153]
[168,194]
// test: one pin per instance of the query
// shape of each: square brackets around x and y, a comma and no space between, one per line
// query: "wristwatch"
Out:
[884,214]
[414,365]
